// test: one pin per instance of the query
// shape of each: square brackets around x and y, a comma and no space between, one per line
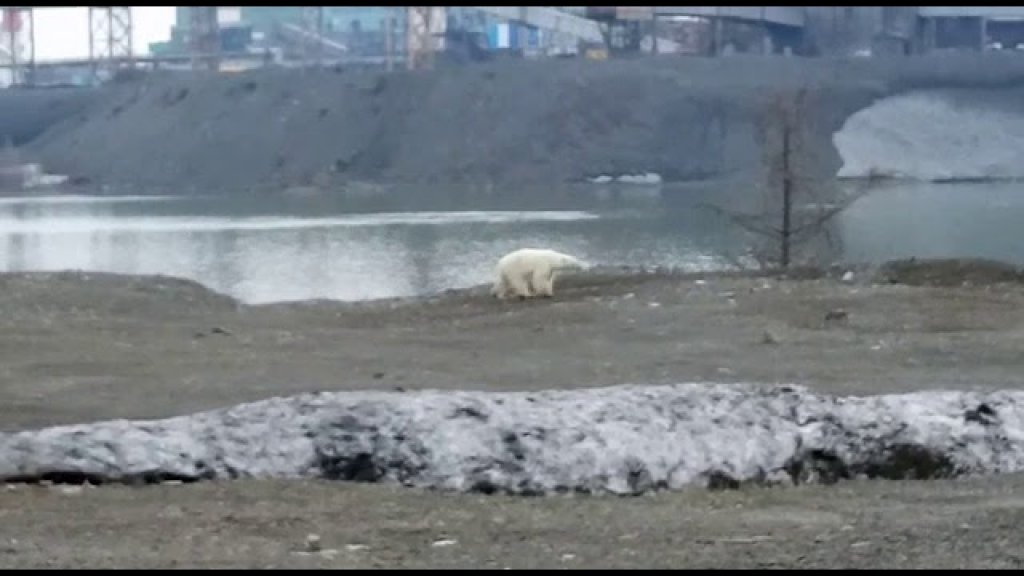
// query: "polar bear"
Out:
[531,272]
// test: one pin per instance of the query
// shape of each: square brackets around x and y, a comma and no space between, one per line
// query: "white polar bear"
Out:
[531,272]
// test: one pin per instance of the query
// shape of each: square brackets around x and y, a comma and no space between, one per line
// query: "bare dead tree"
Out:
[793,211]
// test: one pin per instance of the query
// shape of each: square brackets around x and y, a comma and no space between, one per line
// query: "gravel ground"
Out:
[257,524]
[76,348]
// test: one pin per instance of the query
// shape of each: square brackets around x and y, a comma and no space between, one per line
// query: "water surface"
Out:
[264,250]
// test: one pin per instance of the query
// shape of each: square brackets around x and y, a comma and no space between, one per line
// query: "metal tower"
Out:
[425,26]
[313,26]
[110,37]
[17,42]
[204,37]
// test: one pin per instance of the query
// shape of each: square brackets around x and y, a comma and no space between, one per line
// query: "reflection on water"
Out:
[262,250]
[927,220]
[96,223]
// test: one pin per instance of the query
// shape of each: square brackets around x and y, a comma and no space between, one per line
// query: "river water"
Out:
[265,250]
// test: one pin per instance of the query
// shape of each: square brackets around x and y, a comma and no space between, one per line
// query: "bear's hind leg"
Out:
[551,283]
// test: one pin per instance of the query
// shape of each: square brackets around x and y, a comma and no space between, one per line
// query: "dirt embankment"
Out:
[501,124]
[25,113]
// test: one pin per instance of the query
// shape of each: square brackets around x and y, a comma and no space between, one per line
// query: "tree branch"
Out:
[745,221]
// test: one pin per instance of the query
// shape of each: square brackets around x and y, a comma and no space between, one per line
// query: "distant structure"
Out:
[293,35]
[231,38]
[424,35]
[204,37]
[110,38]
[17,44]
[971,27]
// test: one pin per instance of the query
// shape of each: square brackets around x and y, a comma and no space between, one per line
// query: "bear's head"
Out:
[568,262]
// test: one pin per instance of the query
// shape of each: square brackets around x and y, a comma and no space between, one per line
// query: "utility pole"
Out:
[389,42]
[19,42]
[423,25]
[313,26]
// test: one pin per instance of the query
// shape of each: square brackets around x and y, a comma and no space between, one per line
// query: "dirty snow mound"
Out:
[624,439]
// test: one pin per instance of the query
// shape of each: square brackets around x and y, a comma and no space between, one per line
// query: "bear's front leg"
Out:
[543,283]
[521,288]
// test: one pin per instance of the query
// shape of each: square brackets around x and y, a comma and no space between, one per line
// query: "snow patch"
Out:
[645,178]
[935,135]
[29,176]
[624,439]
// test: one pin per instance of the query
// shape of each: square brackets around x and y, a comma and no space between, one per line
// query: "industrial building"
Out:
[359,33]
[230,38]
[697,30]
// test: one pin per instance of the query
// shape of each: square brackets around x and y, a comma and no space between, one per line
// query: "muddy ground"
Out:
[82,347]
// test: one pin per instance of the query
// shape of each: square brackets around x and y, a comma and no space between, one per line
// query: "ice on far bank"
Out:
[936,135]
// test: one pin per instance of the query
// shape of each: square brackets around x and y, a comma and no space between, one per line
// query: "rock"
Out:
[769,338]
[356,547]
[172,511]
[313,543]
[948,272]
[836,316]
